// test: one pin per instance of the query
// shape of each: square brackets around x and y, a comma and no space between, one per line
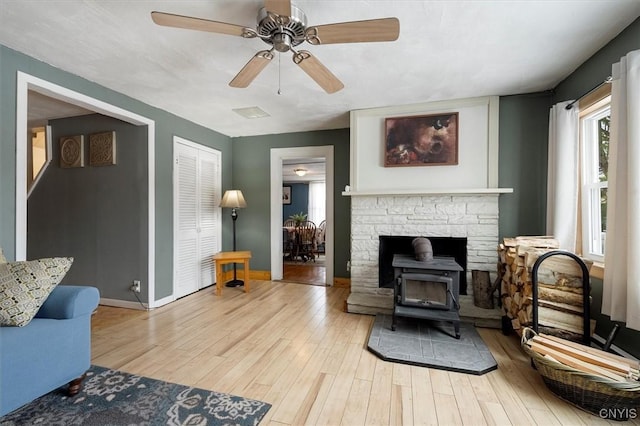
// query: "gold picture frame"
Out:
[71,151]
[425,140]
[102,149]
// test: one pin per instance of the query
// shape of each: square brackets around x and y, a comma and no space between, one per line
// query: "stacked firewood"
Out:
[560,301]
[585,358]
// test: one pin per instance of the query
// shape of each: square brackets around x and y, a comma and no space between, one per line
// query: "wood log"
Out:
[578,353]
[515,324]
[568,335]
[542,241]
[559,285]
[509,242]
[563,320]
[482,289]
[562,307]
[576,363]
[630,362]
[560,264]
[523,317]
[559,295]
[550,319]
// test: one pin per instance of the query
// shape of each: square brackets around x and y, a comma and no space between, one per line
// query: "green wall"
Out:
[251,174]
[595,69]
[97,215]
[524,130]
[167,125]
[583,79]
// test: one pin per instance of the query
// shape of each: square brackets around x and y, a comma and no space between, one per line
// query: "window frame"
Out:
[599,106]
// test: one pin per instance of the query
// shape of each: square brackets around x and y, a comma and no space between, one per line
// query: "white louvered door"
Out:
[197,220]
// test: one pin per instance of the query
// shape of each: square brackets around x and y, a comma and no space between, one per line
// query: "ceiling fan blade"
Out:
[279,7]
[199,24]
[251,70]
[318,72]
[385,29]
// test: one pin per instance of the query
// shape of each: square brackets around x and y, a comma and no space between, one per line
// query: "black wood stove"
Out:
[427,289]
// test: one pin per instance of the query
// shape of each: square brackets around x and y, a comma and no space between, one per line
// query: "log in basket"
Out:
[603,397]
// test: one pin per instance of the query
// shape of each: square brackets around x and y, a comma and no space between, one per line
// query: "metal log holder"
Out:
[586,327]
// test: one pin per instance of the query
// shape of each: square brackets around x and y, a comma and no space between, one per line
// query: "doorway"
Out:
[27,83]
[304,192]
[280,156]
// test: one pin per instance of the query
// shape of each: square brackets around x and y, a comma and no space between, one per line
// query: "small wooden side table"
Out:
[226,257]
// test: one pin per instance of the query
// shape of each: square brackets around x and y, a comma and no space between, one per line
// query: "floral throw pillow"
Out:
[24,286]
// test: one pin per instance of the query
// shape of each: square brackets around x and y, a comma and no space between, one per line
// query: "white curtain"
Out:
[317,197]
[562,175]
[621,291]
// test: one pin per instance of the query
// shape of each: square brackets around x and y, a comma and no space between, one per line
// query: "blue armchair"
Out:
[52,350]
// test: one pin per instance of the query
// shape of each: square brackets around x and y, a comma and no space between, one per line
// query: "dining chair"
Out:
[320,235]
[306,240]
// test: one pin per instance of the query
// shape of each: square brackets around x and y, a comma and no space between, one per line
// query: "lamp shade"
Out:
[233,199]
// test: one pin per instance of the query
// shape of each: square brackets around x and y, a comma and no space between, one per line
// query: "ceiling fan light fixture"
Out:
[282,42]
[300,172]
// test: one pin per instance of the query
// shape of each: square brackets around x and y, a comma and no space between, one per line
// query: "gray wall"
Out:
[251,174]
[167,125]
[98,215]
[583,79]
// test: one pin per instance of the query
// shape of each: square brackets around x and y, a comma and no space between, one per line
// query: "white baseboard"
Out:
[162,302]
[123,304]
[136,305]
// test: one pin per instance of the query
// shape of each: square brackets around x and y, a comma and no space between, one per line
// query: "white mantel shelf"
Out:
[443,191]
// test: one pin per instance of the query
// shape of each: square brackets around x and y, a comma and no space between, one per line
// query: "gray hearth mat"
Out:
[430,344]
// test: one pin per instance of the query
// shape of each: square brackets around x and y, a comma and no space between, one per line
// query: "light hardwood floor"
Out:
[306,273]
[293,346]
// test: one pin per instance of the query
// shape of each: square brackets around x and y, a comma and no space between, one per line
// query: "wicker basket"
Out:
[597,395]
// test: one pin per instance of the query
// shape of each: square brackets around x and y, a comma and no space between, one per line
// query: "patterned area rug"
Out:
[111,397]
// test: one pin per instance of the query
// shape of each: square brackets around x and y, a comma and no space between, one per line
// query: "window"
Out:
[317,202]
[594,131]
[38,155]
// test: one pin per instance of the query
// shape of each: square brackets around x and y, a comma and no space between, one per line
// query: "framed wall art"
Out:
[426,140]
[286,195]
[71,151]
[102,149]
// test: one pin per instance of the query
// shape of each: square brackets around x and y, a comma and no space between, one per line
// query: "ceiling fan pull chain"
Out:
[279,69]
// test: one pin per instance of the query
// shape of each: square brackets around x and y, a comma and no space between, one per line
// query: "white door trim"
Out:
[26,82]
[277,156]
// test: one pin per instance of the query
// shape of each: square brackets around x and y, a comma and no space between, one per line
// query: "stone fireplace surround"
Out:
[473,216]
[440,201]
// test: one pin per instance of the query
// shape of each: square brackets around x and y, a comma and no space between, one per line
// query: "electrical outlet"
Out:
[135,287]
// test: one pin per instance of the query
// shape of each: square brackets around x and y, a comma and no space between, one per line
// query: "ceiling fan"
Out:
[284,26]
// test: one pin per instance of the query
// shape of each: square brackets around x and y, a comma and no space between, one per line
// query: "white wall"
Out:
[474,217]
[477,166]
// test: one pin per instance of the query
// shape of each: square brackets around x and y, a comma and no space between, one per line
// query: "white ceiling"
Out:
[42,108]
[446,50]
[315,169]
